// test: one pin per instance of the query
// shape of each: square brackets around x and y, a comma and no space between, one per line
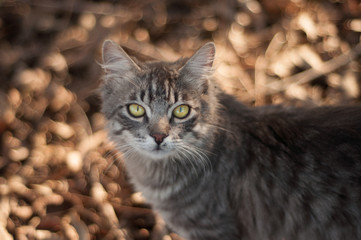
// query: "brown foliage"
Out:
[59,176]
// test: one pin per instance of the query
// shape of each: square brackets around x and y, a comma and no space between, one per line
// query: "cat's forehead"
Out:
[159,72]
[159,85]
[157,79]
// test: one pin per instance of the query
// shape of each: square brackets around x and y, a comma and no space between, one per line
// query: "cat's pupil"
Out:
[136,110]
[181,111]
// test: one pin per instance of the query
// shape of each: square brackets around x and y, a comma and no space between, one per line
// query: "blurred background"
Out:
[59,176]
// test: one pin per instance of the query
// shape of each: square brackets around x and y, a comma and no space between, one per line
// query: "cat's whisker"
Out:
[116,157]
[219,127]
[204,157]
[195,153]
[203,150]
[109,156]
[124,148]
[127,150]
[112,156]
[177,141]
[111,164]
[189,157]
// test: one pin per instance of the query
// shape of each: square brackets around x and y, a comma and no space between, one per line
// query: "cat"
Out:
[214,168]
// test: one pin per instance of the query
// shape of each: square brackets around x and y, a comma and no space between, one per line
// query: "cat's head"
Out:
[159,109]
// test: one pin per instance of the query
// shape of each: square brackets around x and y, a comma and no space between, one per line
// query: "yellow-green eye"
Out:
[136,110]
[181,111]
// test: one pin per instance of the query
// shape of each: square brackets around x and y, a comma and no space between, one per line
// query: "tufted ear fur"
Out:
[198,68]
[116,60]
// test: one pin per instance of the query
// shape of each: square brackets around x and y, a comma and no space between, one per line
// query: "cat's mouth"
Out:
[159,152]
[151,149]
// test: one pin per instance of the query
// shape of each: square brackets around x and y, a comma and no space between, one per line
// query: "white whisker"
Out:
[218,127]
[196,156]
[188,156]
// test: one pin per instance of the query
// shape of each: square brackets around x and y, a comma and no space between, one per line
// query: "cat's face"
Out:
[158,110]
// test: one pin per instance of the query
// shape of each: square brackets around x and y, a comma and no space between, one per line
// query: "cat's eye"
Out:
[181,111]
[136,110]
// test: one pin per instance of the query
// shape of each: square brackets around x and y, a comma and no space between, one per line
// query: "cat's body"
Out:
[216,169]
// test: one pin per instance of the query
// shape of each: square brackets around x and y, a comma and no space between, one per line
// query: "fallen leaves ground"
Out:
[59,176]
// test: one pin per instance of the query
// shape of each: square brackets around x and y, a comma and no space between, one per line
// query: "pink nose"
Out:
[159,137]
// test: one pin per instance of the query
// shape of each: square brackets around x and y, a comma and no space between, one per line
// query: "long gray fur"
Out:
[227,171]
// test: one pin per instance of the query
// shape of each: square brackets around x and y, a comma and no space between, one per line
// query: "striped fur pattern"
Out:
[226,171]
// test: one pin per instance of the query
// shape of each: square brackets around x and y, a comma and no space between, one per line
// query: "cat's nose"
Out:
[158,137]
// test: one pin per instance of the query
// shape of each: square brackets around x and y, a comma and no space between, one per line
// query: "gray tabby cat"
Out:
[216,169]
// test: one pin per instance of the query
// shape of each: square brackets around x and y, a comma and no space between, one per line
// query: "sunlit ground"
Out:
[59,176]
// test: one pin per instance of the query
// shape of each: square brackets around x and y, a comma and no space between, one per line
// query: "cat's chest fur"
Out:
[194,201]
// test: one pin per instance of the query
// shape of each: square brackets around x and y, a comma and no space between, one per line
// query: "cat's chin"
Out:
[158,154]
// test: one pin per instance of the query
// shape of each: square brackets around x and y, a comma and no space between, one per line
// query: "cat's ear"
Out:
[199,66]
[116,60]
